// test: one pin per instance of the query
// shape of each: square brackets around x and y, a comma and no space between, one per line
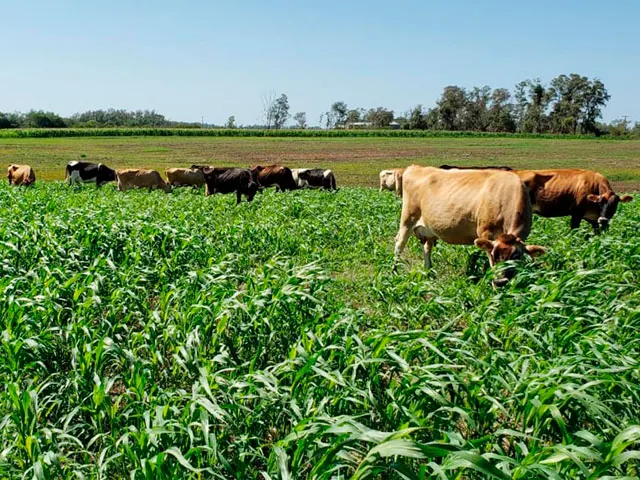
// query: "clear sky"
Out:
[191,59]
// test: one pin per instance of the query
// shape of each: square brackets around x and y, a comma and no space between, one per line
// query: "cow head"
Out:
[506,247]
[606,206]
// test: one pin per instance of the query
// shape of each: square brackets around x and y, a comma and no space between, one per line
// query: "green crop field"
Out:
[147,335]
[356,161]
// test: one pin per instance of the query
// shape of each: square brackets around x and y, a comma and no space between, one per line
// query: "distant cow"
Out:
[488,208]
[21,175]
[277,175]
[229,180]
[580,194]
[392,180]
[85,172]
[140,178]
[315,178]
[488,167]
[184,177]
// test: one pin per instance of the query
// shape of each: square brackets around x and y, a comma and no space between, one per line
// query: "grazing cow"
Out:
[228,180]
[184,177]
[489,167]
[580,194]
[140,178]
[488,208]
[277,175]
[21,175]
[316,178]
[84,172]
[392,180]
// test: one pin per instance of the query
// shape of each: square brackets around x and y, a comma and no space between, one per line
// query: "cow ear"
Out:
[535,250]
[593,198]
[483,244]
[626,199]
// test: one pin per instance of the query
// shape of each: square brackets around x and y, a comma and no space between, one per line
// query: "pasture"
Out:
[147,335]
[356,161]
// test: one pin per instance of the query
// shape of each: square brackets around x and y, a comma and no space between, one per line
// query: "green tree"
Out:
[339,112]
[379,117]
[231,122]
[532,102]
[301,120]
[500,115]
[280,111]
[475,114]
[450,108]
[417,119]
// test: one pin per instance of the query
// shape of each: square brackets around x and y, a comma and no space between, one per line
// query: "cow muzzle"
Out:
[603,223]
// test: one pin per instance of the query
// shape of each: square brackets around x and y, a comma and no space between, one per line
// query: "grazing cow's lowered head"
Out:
[506,247]
[606,206]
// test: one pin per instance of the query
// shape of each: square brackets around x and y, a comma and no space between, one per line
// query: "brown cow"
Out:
[140,178]
[277,175]
[488,208]
[580,194]
[21,175]
[187,177]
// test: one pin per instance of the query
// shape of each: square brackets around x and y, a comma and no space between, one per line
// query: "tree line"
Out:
[568,104]
[90,119]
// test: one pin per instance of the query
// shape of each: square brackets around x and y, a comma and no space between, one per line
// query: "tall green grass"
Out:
[178,336]
[241,132]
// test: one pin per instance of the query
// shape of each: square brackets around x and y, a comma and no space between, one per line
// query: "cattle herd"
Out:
[489,207]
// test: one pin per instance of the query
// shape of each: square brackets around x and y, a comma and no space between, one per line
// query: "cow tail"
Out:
[67,173]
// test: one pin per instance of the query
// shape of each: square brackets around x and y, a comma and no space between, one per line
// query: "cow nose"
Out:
[500,282]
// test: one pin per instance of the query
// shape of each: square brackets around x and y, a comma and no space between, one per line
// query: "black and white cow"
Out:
[87,172]
[315,178]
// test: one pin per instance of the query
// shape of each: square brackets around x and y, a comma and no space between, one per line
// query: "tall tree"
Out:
[301,120]
[280,111]
[475,115]
[450,108]
[339,112]
[231,122]
[532,102]
[417,119]
[268,102]
[500,115]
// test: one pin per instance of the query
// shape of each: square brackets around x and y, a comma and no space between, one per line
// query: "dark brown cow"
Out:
[21,175]
[276,175]
[229,180]
[580,194]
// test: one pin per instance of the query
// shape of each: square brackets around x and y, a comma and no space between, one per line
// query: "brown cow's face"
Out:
[606,206]
[506,247]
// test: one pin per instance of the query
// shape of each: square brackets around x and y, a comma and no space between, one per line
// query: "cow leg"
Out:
[576,218]
[428,247]
[401,241]
[238,197]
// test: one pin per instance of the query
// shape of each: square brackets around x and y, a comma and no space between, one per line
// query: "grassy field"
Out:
[356,161]
[177,336]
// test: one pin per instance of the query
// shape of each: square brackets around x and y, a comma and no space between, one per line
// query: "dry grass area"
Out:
[356,161]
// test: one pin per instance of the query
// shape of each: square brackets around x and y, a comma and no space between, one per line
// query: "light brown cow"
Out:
[580,194]
[392,180]
[140,178]
[188,177]
[488,208]
[21,175]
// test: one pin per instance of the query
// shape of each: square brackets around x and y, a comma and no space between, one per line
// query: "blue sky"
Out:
[190,59]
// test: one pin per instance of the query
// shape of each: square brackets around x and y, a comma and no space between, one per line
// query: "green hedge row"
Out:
[224,132]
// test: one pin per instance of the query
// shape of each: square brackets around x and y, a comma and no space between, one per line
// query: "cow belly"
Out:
[75,177]
[462,232]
